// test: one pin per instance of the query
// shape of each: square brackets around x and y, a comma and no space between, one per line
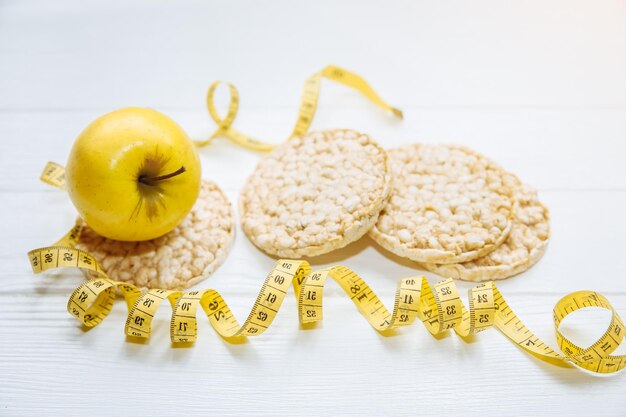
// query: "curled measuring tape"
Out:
[438,307]
[308,106]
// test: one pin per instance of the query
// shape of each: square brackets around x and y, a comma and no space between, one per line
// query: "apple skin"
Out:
[112,171]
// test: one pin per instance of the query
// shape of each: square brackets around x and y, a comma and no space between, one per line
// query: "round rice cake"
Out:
[316,193]
[526,243]
[448,205]
[177,260]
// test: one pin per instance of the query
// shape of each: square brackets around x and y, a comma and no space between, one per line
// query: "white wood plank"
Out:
[72,54]
[550,149]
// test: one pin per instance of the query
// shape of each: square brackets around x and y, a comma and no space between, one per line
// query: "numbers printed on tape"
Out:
[54,174]
[438,307]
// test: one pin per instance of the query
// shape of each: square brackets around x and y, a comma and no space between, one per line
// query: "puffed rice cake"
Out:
[316,193]
[522,249]
[448,205]
[181,258]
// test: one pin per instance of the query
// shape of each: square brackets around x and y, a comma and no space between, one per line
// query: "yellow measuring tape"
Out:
[308,105]
[438,307]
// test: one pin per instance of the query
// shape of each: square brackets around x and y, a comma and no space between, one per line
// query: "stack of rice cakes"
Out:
[452,210]
[460,215]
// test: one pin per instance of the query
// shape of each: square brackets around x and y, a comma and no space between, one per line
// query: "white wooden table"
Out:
[539,86]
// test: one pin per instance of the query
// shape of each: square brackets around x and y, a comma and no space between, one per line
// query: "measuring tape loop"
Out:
[308,106]
[438,307]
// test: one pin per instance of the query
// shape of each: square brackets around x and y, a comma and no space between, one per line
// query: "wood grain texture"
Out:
[538,86]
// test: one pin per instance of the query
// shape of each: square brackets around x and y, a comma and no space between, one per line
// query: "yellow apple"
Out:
[133,174]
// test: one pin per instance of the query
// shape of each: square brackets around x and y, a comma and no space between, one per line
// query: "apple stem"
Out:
[152,180]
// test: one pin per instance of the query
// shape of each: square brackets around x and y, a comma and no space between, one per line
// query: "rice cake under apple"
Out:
[316,193]
[448,205]
[181,258]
